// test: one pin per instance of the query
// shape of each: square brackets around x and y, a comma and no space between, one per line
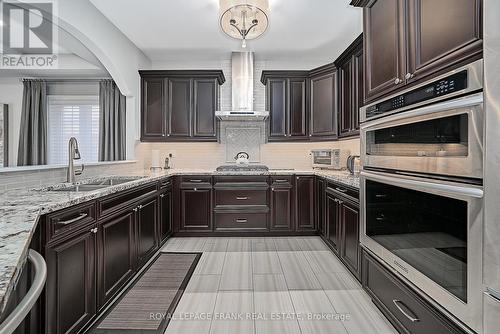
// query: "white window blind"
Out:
[73,116]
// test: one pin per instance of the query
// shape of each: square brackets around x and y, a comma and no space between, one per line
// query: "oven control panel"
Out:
[451,84]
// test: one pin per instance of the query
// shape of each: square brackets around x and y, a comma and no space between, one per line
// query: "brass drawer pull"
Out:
[241,220]
[406,314]
[196,181]
[241,198]
[280,181]
[342,190]
[74,220]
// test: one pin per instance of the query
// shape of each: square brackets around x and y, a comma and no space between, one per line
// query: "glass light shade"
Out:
[244,12]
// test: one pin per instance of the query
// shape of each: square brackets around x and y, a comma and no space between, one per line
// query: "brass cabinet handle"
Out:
[398,81]
[94,230]
[74,220]
[196,181]
[241,198]
[342,190]
[409,75]
[241,220]
[406,314]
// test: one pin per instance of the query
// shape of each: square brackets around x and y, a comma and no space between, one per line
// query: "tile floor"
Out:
[271,285]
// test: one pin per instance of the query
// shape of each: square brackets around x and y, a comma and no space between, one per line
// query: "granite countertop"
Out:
[21,209]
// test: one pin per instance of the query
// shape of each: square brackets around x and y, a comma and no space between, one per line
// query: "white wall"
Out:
[121,58]
[11,93]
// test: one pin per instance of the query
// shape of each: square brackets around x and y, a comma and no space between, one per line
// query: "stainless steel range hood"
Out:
[242,91]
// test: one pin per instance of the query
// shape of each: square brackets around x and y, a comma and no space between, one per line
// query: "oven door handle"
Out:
[418,184]
[463,102]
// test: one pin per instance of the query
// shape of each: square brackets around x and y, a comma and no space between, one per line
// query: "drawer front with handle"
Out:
[240,197]
[406,309]
[166,183]
[240,221]
[66,221]
[281,181]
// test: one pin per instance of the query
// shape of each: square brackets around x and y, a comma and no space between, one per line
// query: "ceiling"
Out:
[173,30]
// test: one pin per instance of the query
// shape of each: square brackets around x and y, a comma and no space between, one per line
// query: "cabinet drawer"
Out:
[66,221]
[406,309]
[196,182]
[342,190]
[240,221]
[166,183]
[281,181]
[240,197]
[244,182]
[120,200]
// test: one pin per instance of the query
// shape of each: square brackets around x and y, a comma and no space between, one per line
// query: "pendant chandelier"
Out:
[244,19]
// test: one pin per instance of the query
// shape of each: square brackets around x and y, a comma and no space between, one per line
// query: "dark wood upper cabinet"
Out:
[180,105]
[351,91]
[277,106]
[116,255]
[206,95]
[286,100]
[384,47]
[409,41]
[71,284]
[154,122]
[297,113]
[304,203]
[442,33]
[323,103]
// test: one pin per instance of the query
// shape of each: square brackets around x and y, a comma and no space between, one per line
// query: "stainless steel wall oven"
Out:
[422,191]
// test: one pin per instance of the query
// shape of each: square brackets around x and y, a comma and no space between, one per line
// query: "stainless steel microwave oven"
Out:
[329,158]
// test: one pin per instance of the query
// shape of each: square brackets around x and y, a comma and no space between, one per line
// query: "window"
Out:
[73,116]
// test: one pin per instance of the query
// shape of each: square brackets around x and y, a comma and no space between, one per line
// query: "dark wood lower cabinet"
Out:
[116,255]
[342,221]
[404,308]
[147,241]
[166,214]
[351,250]
[196,209]
[281,208]
[71,283]
[320,206]
[304,194]
[332,221]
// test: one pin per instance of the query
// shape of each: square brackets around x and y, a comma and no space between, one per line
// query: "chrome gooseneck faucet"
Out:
[73,154]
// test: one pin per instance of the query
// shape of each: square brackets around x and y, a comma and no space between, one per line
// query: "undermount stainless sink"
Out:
[94,185]
[242,168]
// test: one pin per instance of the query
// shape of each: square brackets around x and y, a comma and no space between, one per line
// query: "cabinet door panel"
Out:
[385,47]
[346,96]
[281,209]
[324,105]
[146,229]
[442,33]
[196,209]
[179,107]
[165,214]
[358,89]
[297,110]
[351,253]
[332,221]
[320,199]
[277,97]
[305,203]
[205,104]
[116,255]
[153,108]
[70,289]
